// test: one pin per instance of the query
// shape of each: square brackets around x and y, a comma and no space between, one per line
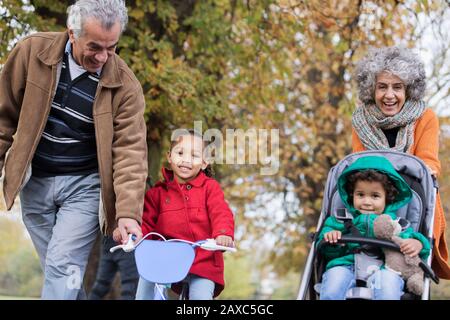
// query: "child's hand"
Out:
[116,236]
[411,247]
[224,241]
[332,236]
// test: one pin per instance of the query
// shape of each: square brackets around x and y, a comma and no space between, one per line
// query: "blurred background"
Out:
[250,64]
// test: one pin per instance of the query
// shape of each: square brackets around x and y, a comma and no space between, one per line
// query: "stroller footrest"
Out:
[359,293]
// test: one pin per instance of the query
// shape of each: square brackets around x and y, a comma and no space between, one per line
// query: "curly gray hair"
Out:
[108,12]
[399,61]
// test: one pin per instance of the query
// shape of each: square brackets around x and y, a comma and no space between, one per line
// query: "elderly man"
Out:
[71,116]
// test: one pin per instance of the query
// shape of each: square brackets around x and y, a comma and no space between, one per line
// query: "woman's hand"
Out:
[432,171]
[411,247]
[332,236]
[225,241]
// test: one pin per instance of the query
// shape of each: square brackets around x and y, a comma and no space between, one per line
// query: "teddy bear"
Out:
[386,228]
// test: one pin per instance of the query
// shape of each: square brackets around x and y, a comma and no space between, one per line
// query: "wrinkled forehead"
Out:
[95,30]
[388,77]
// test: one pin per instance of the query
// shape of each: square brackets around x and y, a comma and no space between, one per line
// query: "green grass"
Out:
[17,298]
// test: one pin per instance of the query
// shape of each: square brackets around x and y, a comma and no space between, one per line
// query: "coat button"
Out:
[186,197]
[189,187]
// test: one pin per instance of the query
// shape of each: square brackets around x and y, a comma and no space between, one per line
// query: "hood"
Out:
[382,165]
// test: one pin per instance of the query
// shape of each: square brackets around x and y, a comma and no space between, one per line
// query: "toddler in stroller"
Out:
[368,185]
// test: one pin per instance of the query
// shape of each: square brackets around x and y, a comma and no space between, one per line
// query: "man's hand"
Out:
[127,226]
[117,236]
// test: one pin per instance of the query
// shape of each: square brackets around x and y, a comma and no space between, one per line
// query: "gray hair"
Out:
[399,61]
[108,12]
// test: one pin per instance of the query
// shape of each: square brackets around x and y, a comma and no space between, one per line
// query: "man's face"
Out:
[95,45]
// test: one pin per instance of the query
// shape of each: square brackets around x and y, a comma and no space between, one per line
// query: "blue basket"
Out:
[164,261]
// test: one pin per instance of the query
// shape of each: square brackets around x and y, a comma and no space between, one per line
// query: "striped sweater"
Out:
[67,145]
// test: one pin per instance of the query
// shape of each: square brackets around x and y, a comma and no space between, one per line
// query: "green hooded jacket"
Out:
[338,255]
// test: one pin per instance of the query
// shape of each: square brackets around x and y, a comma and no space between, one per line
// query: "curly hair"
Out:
[371,176]
[399,61]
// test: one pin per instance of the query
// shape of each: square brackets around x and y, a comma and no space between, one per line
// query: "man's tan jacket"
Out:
[28,83]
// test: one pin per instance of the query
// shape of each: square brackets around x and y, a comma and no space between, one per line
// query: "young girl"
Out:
[188,204]
[368,187]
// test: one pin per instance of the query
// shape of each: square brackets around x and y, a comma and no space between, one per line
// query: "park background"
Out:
[251,64]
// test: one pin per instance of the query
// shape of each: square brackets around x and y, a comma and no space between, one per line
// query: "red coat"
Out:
[193,211]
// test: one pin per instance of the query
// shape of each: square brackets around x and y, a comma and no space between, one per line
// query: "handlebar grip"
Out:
[210,244]
[231,249]
[128,247]
[115,248]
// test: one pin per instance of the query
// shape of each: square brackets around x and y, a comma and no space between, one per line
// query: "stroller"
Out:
[418,214]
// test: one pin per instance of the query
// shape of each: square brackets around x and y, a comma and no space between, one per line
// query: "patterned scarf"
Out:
[368,121]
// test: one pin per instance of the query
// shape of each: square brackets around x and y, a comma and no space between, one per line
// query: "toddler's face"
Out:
[186,158]
[369,197]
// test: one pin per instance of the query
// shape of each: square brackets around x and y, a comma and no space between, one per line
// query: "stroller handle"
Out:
[379,243]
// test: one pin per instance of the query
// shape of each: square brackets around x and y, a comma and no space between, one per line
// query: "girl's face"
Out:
[369,197]
[186,158]
[390,94]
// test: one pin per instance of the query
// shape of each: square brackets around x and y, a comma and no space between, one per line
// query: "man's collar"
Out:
[51,55]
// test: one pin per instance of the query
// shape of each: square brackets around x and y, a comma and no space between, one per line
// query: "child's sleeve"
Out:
[409,233]
[335,250]
[150,214]
[220,215]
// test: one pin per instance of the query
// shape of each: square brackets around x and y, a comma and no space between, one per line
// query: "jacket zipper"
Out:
[105,212]
[41,129]
[368,225]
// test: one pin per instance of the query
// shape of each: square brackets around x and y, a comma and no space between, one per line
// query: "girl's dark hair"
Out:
[371,176]
[176,137]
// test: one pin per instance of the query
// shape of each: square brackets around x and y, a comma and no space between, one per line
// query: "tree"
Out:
[238,277]
[271,64]
[300,81]
[21,273]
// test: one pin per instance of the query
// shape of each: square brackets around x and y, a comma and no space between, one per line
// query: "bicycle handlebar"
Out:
[208,244]
[127,247]
[211,245]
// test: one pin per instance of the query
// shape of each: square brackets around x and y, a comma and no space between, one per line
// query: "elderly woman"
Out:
[392,115]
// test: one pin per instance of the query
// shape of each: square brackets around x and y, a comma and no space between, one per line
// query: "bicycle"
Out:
[168,261]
